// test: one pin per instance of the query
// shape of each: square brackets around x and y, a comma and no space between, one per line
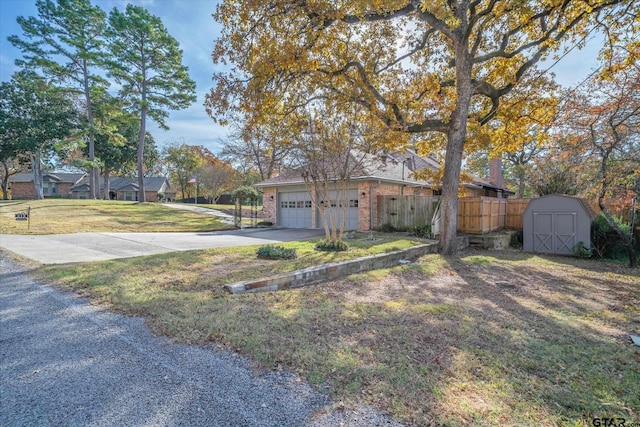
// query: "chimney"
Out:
[410,163]
[495,172]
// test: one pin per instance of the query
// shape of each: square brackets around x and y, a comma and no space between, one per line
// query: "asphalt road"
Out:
[85,247]
[65,362]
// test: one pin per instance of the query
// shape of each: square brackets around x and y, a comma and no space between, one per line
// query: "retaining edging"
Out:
[320,273]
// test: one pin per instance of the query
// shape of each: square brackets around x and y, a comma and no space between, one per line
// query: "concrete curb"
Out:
[324,272]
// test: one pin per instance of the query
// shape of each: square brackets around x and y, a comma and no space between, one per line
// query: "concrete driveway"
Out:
[83,247]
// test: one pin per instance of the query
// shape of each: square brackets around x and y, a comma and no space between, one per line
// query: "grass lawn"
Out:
[486,338]
[53,216]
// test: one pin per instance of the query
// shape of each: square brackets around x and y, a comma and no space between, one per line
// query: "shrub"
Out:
[276,252]
[386,228]
[605,241]
[581,251]
[423,231]
[516,239]
[332,246]
[264,224]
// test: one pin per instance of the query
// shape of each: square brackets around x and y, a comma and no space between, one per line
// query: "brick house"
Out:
[76,186]
[156,188]
[54,184]
[289,202]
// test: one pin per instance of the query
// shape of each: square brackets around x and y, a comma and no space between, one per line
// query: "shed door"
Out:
[554,232]
[294,209]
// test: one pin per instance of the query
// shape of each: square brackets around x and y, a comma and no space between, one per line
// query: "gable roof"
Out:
[116,183]
[58,177]
[387,168]
[583,203]
[395,167]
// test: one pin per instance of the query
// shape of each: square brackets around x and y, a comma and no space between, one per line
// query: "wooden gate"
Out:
[406,212]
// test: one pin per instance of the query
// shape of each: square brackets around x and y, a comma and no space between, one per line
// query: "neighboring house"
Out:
[288,202]
[54,184]
[156,188]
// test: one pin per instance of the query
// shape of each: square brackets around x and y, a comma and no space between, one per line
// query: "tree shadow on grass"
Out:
[483,341]
[461,347]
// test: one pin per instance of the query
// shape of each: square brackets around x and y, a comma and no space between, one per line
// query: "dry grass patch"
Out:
[488,338]
[55,216]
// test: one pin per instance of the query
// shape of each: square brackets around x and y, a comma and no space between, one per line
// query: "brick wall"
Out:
[23,191]
[269,204]
[64,189]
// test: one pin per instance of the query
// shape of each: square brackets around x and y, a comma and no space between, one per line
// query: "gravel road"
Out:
[64,362]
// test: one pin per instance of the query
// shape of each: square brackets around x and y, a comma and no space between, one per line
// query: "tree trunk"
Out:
[627,240]
[36,165]
[143,122]
[94,176]
[107,184]
[5,181]
[455,148]
[521,182]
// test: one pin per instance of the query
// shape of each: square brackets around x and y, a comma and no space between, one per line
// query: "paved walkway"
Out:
[65,362]
[226,218]
[84,247]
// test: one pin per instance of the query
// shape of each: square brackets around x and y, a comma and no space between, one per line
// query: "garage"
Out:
[557,224]
[352,210]
[294,209]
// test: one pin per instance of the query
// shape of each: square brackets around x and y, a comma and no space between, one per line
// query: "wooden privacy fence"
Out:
[406,212]
[475,215]
[482,214]
[486,214]
[515,209]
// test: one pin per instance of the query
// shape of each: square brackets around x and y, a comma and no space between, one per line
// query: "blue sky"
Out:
[190,22]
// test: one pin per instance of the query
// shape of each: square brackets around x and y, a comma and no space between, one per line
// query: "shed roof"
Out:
[582,202]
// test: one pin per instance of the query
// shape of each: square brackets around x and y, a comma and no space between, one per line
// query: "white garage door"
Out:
[351,222]
[294,209]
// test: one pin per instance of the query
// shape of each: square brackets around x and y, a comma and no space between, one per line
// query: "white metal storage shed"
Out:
[556,224]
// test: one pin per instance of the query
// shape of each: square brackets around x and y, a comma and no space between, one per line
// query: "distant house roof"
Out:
[57,177]
[116,183]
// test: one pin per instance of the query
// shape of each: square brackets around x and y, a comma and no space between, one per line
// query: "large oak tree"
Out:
[419,67]
[36,118]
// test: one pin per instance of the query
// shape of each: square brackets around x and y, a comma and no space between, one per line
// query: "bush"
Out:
[276,252]
[334,246]
[581,251]
[516,239]
[605,241]
[386,228]
[264,224]
[423,231]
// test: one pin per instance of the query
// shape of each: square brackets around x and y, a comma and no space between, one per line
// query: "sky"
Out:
[191,24]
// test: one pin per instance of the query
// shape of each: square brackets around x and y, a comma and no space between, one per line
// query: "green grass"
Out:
[53,216]
[442,341]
